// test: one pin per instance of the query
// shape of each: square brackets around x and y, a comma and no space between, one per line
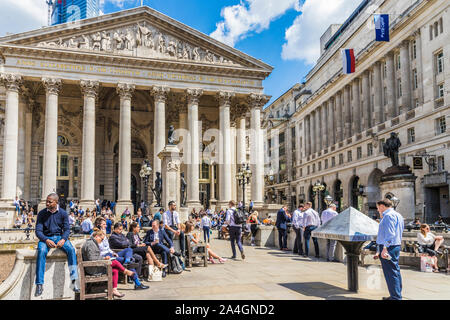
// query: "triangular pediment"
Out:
[141,32]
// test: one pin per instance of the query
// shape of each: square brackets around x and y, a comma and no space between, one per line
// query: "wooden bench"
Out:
[191,255]
[86,281]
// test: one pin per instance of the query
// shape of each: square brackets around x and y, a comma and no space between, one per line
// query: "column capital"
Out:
[405,43]
[224,98]
[377,64]
[390,54]
[11,81]
[89,88]
[52,85]
[125,90]
[160,93]
[257,100]
[193,95]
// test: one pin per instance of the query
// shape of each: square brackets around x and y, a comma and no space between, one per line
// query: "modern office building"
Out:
[71,10]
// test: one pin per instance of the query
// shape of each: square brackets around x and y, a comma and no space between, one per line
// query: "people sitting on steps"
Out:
[430,243]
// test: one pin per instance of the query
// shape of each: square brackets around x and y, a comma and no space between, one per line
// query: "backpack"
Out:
[239,216]
[175,264]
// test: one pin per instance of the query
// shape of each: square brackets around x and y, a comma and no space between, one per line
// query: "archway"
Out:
[338,194]
[356,200]
[374,192]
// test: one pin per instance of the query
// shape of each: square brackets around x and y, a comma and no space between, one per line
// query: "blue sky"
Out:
[282,33]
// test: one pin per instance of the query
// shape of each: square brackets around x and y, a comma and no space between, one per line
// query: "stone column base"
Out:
[193,205]
[122,205]
[87,204]
[7,213]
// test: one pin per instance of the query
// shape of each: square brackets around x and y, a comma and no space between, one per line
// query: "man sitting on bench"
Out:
[155,239]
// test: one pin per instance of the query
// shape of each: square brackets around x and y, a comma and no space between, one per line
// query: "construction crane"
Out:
[50,5]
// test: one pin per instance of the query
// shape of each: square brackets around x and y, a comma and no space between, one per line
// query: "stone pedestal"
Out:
[7,213]
[170,167]
[121,206]
[400,182]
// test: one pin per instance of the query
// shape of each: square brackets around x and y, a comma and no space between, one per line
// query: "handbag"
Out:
[155,274]
[426,263]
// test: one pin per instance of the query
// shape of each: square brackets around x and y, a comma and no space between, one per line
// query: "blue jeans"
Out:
[307,235]
[42,252]
[391,271]
[125,254]
[205,232]
[235,236]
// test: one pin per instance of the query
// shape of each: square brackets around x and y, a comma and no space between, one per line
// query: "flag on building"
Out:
[381,27]
[349,62]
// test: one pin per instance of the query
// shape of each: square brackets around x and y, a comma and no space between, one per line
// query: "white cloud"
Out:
[303,37]
[250,16]
[20,16]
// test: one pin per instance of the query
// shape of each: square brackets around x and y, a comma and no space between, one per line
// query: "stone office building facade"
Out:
[84,104]
[341,121]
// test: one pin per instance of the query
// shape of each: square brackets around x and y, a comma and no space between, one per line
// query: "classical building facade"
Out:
[341,121]
[85,104]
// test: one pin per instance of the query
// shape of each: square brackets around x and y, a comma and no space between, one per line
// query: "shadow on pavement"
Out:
[319,289]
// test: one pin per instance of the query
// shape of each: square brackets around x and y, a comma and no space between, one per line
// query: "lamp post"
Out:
[243,177]
[328,200]
[395,202]
[145,173]
[317,189]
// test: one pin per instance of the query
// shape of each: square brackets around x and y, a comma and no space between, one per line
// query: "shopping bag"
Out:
[426,263]
[155,274]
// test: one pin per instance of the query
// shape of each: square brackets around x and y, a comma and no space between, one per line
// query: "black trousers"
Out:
[162,250]
[141,251]
[298,247]
[170,234]
[282,238]
[235,238]
[138,260]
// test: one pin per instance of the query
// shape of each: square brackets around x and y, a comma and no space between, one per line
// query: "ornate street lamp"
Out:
[243,177]
[145,173]
[328,200]
[395,202]
[317,189]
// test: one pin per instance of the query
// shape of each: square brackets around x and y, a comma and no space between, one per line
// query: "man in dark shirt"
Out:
[52,230]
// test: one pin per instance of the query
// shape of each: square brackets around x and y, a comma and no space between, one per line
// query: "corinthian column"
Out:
[52,88]
[256,102]
[193,145]
[347,112]
[356,107]
[378,90]
[366,101]
[241,152]
[406,76]
[339,117]
[331,128]
[225,155]
[125,91]
[159,136]
[392,110]
[89,90]
[12,83]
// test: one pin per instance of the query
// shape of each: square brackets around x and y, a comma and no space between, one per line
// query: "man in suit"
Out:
[282,218]
[155,239]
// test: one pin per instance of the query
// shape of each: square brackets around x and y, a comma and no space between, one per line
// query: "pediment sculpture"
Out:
[140,40]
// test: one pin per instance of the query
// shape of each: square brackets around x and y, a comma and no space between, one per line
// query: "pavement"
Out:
[271,274]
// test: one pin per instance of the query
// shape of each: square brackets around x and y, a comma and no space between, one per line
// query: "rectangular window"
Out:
[385,70]
[441,164]
[440,62]
[326,164]
[440,91]
[75,167]
[333,162]
[341,158]
[281,151]
[358,153]
[281,138]
[313,168]
[308,170]
[399,64]
[63,166]
[293,132]
[301,172]
[369,150]
[441,125]
[380,146]
[319,166]
[385,97]
[75,189]
[102,189]
[414,50]
[399,88]
[415,79]
[411,135]
[349,156]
